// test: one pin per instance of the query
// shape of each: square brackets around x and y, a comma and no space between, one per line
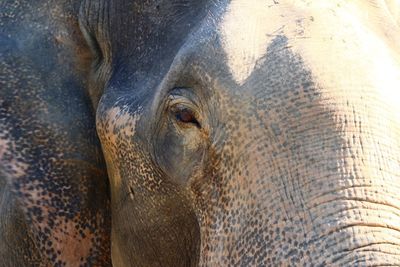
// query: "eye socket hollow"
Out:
[186,115]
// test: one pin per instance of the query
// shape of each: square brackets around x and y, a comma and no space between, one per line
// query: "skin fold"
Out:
[235,133]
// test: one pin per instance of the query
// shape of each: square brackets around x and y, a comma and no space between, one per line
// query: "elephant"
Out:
[232,132]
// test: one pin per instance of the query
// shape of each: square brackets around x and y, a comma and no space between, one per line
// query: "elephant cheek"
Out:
[116,129]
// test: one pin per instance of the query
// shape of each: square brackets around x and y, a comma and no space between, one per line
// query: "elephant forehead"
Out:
[248,27]
[245,30]
[334,38]
[351,56]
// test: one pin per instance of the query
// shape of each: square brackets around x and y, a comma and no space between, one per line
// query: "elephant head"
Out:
[251,133]
[245,133]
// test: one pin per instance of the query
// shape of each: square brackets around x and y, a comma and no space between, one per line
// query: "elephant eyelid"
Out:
[183,110]
[185,115]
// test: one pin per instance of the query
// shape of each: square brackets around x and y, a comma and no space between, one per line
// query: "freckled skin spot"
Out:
[53,187]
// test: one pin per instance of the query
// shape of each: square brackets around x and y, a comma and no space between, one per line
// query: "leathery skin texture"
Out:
[269,130]
[273,124]
[241,133]
[53,182]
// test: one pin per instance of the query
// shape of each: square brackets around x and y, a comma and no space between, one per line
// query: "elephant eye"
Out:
[185,115]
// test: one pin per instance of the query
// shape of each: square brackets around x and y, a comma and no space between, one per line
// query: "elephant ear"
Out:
[54,203]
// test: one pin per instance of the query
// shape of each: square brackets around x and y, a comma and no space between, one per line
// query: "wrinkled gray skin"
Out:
[54,200]
[292,159]
[233,143]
